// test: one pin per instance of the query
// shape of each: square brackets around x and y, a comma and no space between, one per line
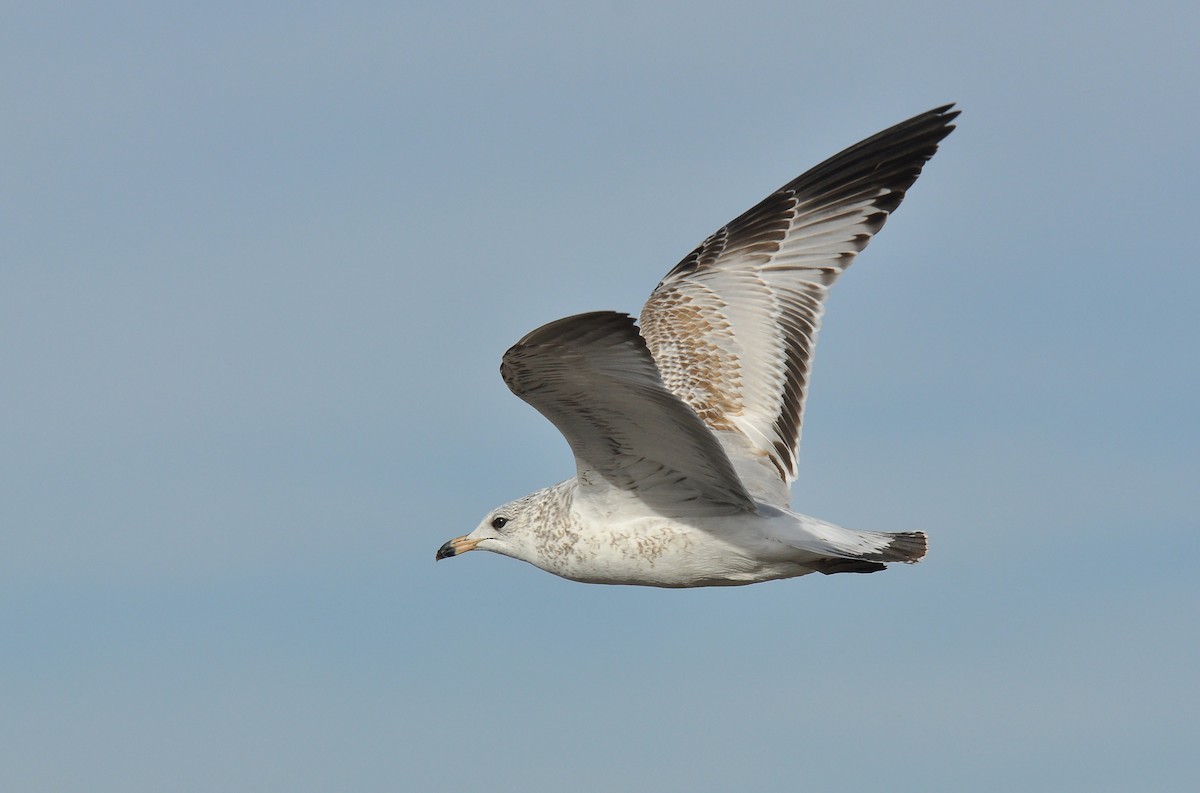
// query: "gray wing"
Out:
[733,326]
[593,378]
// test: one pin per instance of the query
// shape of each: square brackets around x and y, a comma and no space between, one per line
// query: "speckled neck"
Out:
[555,527]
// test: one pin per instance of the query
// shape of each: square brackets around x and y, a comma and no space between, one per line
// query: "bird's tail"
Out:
[851,551]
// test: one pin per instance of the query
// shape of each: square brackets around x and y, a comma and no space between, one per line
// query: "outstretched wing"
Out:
[593,377]
[732,327]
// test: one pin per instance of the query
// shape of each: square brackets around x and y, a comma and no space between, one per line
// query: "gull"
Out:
[685,429]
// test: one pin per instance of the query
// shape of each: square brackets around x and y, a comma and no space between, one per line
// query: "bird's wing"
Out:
[732,327]
[593,377]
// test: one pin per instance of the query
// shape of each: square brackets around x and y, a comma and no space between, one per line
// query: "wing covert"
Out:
[592,376]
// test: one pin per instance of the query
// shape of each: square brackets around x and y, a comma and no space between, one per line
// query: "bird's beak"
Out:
[455,547]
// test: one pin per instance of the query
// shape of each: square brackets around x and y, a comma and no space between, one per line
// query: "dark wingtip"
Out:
[832,566]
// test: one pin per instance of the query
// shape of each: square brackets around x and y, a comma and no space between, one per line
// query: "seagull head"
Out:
[505,530]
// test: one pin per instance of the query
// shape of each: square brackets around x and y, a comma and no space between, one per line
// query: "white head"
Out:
[507,530]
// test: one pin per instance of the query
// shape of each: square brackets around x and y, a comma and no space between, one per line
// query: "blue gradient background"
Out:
[258,264]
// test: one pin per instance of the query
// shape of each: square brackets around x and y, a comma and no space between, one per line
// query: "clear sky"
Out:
[258,265]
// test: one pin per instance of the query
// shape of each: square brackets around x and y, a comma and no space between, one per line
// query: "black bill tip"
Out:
[446,551]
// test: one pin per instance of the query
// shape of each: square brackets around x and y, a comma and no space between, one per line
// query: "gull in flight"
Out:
[685,429]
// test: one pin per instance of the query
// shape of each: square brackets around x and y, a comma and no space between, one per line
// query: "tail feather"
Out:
[906,546]
[845,550]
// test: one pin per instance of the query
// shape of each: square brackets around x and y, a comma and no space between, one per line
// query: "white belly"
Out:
[666,553]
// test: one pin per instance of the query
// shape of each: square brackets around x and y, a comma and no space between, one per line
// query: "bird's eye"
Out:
[498,523]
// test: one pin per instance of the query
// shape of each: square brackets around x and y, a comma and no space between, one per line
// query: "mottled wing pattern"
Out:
[593,378]
[732,327]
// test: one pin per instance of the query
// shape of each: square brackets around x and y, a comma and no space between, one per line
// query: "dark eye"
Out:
[498,523]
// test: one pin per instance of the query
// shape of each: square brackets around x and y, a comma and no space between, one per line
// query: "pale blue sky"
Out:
[258,264]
